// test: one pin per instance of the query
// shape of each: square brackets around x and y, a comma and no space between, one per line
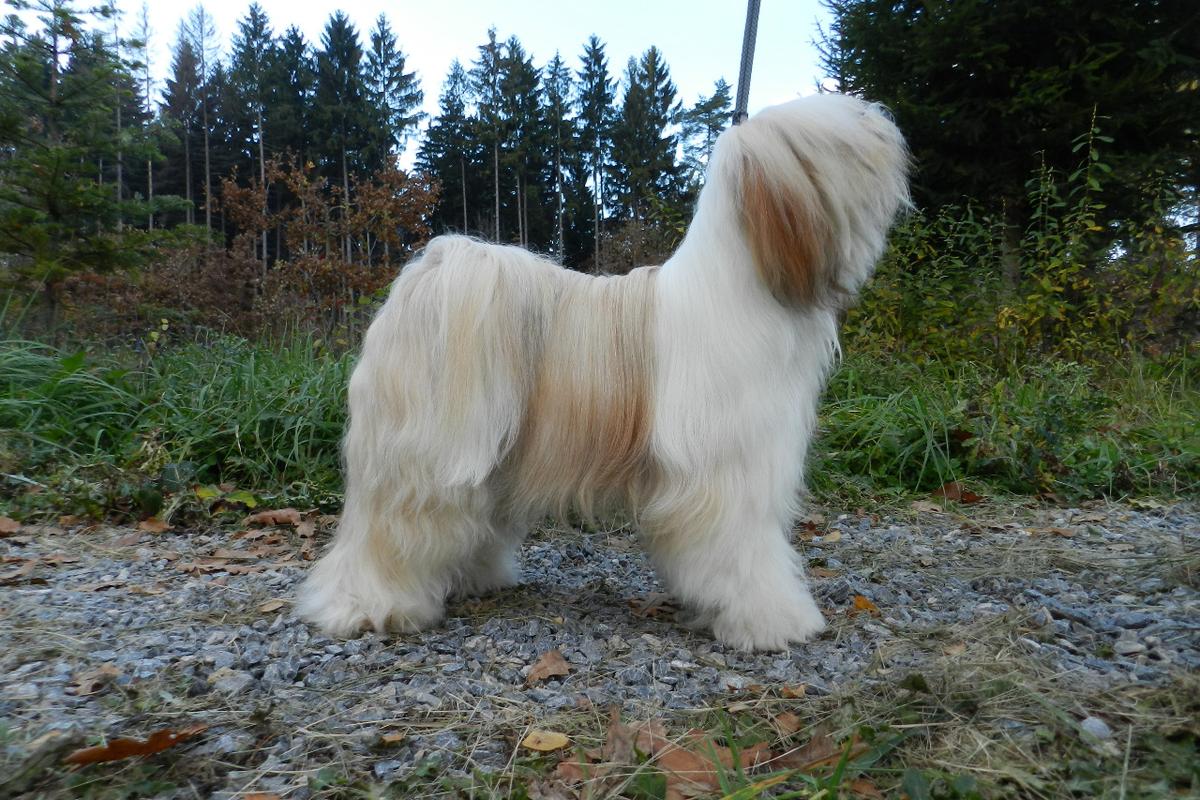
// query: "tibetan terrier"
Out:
[496,387]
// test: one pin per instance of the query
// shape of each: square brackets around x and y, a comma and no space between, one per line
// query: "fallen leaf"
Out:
[267,550]
[282,516]
[20,574]
[393,738]
[550,664]
[271,606]
[252,534]
[68,520]
[8,526]
[156,589]
[832,537]
[128,539]
[99,586]
[863,787]
[821,572]
[956,649]
[864,605]
[618,740]
[925,507]
[1147,503]
[653,605]
[260,796]
[247,555]
[794,692]
[122,748]
[788,723]
[153,525]
[574,771]
[59,558]
[306,529]
[203,565]
[953,490]
[545,741]
[816,752]
[1066,533]
[94,680]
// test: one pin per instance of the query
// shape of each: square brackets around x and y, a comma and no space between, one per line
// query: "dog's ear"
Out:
[788,226]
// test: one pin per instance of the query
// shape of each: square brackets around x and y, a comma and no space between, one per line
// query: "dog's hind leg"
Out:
[393,567]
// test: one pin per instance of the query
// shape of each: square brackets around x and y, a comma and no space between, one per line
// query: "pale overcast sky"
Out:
[701,39]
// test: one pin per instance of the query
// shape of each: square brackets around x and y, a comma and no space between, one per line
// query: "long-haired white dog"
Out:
[495,387]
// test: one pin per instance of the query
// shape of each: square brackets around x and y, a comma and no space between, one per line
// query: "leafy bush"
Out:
[961,285]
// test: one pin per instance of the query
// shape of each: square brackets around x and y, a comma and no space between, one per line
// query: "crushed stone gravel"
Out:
[113,632]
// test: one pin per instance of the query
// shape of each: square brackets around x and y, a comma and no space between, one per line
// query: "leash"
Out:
[748,39]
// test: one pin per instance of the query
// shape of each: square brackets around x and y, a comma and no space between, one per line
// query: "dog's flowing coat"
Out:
[495,386]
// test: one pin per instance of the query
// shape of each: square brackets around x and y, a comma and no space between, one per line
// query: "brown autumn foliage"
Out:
[323,257]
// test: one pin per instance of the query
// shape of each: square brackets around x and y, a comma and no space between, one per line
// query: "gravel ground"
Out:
[110,632]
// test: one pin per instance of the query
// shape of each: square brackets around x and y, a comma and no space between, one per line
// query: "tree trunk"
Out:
[187,175]
[346,206]
[1010,254]
[463,165]
[558,192]
[520,213]
[262,178]
[120,165]
[496,175]
[150,194]
[596,221]
[207,168]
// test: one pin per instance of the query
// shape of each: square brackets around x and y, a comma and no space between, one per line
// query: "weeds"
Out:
[1051,427]
[103,433]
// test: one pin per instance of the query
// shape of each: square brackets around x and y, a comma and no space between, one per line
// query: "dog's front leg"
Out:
[735,568]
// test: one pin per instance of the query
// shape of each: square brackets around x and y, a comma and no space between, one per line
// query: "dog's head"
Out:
[817,183]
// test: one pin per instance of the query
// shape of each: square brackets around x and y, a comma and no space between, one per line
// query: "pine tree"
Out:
[181,107]
[253,57]
[394,94]
[449,152]
[292,81]
[644,169]
[343,115]
[146,105]
[988,92]
[702,124]
[525,148]
[202,34]
[59,86]
[486,73]
[596,94]
[557,91]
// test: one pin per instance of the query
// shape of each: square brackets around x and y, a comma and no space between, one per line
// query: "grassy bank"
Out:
[120,432]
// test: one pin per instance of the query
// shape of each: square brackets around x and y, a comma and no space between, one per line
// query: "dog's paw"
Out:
[769,628]
[346,614]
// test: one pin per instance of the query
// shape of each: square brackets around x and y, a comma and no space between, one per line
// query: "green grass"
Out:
[104,432]
[1049,427]
[89,430]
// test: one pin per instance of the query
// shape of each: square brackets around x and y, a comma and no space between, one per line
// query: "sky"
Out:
[700,39]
